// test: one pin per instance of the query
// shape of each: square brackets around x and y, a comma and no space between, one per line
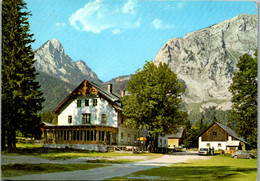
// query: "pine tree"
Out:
[21,97]
[155,100]
[244,91]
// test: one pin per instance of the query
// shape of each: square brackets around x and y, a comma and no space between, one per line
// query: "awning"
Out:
[233,143]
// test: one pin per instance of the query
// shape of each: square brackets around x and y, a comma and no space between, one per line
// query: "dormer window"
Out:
[94,102]
[79,103]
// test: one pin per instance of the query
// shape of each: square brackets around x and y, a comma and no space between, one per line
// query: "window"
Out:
[122,137]
[101,135]
[69,119]
[208,144]
[103,119]
[219,145]
[94,102]
[86,102]
[214,133]
[86,118]
[78,103]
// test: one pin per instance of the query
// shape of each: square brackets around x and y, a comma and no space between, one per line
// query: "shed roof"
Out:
[178,134]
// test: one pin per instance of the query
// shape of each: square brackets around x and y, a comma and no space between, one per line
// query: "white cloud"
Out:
[181,4]
[98,16]
[60,24]
[158,24]
[130,6]
[116,31]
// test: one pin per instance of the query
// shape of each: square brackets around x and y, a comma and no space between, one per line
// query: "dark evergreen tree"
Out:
[48,117]
[155,100]
[244,91]
[21,97]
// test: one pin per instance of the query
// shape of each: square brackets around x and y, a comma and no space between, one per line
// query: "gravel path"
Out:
[112,171]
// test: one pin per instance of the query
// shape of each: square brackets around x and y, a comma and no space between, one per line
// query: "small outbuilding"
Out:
[221,137]
[174,140]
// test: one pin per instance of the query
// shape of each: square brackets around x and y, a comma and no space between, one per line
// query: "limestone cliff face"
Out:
[206,59]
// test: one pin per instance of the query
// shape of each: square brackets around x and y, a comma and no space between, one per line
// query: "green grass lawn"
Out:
[14,170]
[216,168]
[76,154]
[56,154]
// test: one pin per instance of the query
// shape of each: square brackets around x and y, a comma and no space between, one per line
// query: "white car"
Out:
[204,151]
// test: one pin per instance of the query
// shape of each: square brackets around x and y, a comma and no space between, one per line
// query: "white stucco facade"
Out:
[76,112]
[127,136]
[163,141]
[217,145]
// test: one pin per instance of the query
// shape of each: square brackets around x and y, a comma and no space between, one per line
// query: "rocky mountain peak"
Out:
[52,60]
[54,44]
[206,59]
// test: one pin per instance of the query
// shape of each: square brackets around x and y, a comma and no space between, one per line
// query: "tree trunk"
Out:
[9,139]
[3,136]
[14,139]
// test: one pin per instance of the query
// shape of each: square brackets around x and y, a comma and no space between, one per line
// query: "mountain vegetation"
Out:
[21,95]
[244,91]
[54,91]
[154,101]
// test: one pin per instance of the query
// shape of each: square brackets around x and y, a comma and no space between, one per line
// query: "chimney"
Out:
[122,93]
[109,88]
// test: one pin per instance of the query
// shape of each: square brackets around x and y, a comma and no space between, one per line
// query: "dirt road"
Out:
[112,171]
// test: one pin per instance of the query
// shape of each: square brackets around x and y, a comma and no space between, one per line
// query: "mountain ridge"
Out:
[204,60]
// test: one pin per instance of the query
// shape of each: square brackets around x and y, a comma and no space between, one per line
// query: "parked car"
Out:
[242,154]
[204,151]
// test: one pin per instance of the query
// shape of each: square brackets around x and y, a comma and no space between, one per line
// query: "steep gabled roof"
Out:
[230,131]
[178,134]
[88,87]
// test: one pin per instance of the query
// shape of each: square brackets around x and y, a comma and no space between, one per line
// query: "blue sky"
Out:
[115,37]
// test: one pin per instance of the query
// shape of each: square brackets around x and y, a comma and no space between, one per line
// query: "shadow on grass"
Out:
[13,170]
[41,150]
[201,172]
